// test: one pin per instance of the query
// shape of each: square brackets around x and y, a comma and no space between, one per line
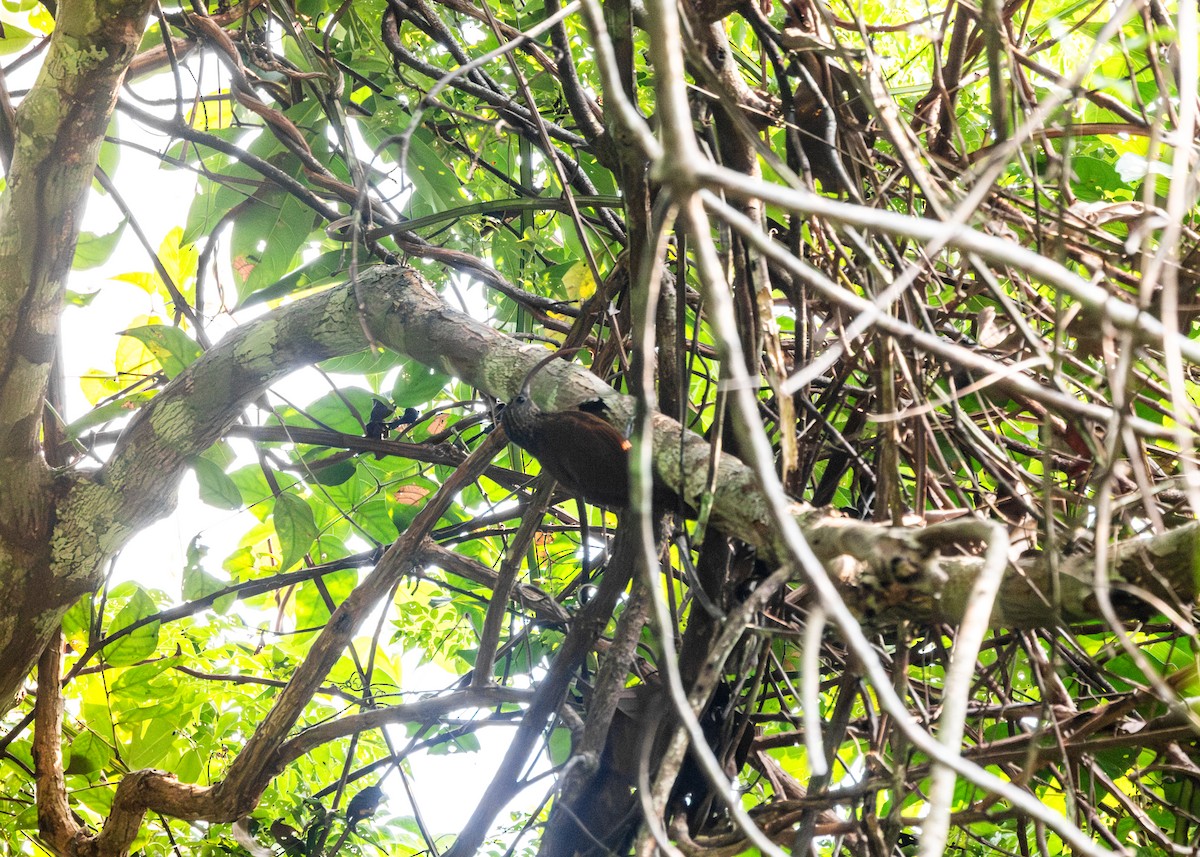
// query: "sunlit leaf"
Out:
[172,348]
[416,383]
[314,274]
[133,357]
[198,583]
[139,643]
[115,410]
[265,240]
[212,113]
[216,488]
[296,528]
[95,249]
[579,282]
[88,754]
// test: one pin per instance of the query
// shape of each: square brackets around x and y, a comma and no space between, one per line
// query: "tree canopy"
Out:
[895,304]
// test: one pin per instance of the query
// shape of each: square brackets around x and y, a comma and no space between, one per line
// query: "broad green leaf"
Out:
[216,488]
[99,720]
[143,687]
[255,489]
[109,157]
[179,259]
[312,611]
[465,743]
[80,299]
[416,383]
[88,753]
[579,282]
[346,411]
[335,474]
[214,200]
[77,622]
[407,500]
[296,528]
[214,113]
[374,517]
[198,583]
[365,362]
[190,767]
[171,347]
[144,280]
[139,644]
[133,357]
[265,240]
[95,249]
[437,186]
[150,743]
[319,272]
[97,385]
[27,818]
[1094,179]
[559,746]
[18,31]
[114,410]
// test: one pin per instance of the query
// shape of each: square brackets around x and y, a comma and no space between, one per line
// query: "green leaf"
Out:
[198,583]
[190,767]
[109,156]
[169,345]
[417,383]
[409,499]
[437,186]
[105,413]
[319,272]
[559,746]
[98,717]
[136,645]
[179,259]
[80,299]
[93,250]
[27,819]
[296,528]
[15,39]
[151,743]
[312,610]
[214,199]
[216,488]
[265,240]
[88,754]
[375,518]
[346,411]
[138,681]
[466,743]
[334,474]
[77,622]
[1094,179]
[365,362]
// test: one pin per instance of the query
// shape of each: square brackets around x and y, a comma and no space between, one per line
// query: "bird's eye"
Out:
[518,399]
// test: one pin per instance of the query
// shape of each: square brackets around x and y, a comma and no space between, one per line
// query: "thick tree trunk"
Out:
[58,130]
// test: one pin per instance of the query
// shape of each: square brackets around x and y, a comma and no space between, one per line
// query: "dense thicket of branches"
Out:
[900,303]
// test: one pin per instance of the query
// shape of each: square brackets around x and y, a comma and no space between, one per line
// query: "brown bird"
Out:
[584,453]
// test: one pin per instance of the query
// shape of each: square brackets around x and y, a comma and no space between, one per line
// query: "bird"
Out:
[363,805]
[378,425]
[582,451]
